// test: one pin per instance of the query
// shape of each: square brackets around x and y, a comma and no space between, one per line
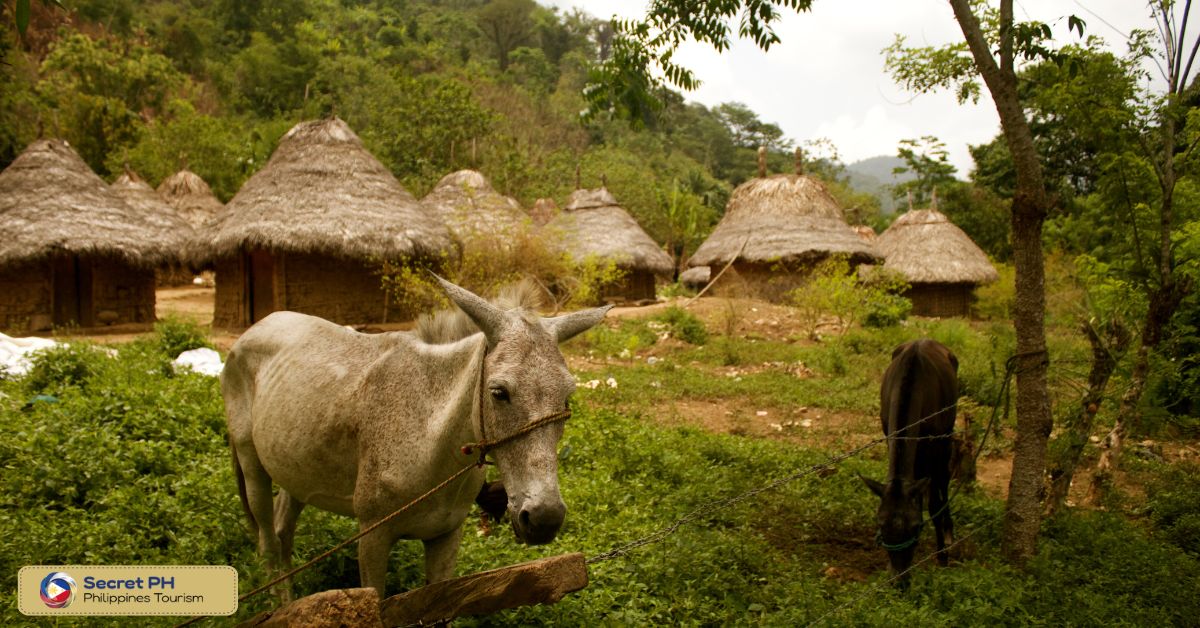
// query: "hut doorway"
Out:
[72,291]
[260,270]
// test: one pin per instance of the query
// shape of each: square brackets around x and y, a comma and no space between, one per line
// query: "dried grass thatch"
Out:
[468,204]
[141,197]
[865,232]
[926,247]
[323,192]
[543,211]
[594,224]
[781,218]
[51,202]
[191,197]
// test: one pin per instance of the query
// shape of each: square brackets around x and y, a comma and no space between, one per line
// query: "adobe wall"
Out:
[25,298]
[121,291]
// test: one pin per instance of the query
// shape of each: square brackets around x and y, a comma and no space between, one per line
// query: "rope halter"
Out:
[485,445]
[897,547]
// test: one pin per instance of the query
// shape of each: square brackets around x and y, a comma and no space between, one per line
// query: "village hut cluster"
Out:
[308,232]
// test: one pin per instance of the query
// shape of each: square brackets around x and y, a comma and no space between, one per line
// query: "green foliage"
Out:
[1173,508]
[64,366]
[176,335]
[929,162]
[833,289]
[684,325]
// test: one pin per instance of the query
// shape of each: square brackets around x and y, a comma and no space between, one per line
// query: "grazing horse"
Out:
[917,404]
[361,424]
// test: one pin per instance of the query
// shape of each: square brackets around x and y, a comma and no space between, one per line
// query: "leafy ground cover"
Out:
[130,465]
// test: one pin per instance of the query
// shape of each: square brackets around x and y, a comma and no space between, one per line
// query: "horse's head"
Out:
[525,378]
[899,519]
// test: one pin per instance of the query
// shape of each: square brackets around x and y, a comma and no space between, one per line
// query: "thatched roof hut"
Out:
[941,262]
[190,196]
[470,207]
[140,196]
[306,231]
[781,218]
[777,227]
[71,250]
[594,225]
[52,203]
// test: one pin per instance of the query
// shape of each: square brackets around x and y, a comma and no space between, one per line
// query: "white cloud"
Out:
[826,78]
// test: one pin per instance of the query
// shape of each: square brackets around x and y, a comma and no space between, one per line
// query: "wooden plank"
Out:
[327,609]
[543,581]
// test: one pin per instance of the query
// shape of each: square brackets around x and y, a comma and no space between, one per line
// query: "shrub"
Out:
[886,310]
[1174,508]
[176,335]
[57,368]
[684,325]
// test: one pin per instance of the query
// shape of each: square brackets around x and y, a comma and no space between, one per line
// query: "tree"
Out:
[624,84]
[508,24]
[1165,284]
[927,159]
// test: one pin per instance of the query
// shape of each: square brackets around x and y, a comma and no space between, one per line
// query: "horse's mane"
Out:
[451,325]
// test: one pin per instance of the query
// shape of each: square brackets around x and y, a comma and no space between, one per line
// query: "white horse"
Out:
[361,424]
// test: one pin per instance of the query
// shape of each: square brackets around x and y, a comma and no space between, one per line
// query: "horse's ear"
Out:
[489,318]
[899,348]
[917,488]
[876,487]
[568,326]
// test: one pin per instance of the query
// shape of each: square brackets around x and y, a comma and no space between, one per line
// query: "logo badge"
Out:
[58,589]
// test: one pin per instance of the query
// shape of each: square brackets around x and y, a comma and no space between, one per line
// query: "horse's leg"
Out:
[258,500]
[373,551]
[440,555]
[939,508]
[287,513]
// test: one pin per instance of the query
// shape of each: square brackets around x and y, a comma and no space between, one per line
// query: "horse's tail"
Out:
[241,484]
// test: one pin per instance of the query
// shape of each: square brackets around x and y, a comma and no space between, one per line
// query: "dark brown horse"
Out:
[917,405]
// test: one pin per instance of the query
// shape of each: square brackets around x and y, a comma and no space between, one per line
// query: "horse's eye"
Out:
[499,394]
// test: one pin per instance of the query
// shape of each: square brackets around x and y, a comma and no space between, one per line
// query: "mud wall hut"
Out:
[940,262]
[777,228]
[72,252]
[594,225]
[306,233]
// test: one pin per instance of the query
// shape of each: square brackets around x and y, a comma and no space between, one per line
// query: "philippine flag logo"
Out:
[58,589]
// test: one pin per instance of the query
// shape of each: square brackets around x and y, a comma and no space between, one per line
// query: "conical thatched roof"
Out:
[543,211]
[781,218]
[190,196]
[469,205]
[51,202]
[926,247]
[141,197]
[594,224]
[322,191]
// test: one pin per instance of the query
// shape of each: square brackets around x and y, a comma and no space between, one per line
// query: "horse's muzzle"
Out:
[538,524]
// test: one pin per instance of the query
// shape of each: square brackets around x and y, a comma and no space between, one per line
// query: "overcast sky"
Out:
[826,78]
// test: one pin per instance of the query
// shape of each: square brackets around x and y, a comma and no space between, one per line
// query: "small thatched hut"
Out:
[471,208]
[940,262]
[778,227]
[141,197]
[71,250]
[594,225]
[190,196]
[305,232]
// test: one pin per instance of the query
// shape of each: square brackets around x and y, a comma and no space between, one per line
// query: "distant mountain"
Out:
[873,175]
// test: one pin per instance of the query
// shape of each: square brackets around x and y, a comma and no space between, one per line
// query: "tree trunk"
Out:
[1029,205]
[1104,361]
